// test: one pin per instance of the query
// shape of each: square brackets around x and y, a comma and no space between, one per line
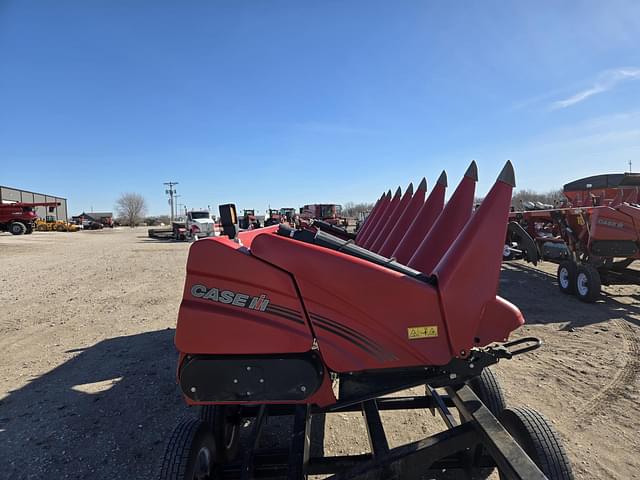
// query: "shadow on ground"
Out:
[103,414]
[106,413]
[522,285]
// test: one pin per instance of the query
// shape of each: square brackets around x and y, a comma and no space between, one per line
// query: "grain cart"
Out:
[20,217]
[593,243]
[299,323]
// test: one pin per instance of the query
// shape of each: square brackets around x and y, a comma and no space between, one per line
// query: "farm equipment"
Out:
[272,217]
[248,220]
[288,215]
[50,224]
[299,322]
[593,243]
[328,212]
[19,218]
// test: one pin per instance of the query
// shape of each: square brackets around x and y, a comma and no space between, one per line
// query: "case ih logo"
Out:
[230,298]
[610,223]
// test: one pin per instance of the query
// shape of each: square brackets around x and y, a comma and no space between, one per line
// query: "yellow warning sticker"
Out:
[428,331]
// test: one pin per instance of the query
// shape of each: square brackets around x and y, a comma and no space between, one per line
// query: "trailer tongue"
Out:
[284,321]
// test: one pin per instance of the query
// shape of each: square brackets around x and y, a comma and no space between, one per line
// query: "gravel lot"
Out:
[87,369]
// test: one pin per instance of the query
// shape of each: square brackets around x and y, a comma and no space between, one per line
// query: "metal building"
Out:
[10,195]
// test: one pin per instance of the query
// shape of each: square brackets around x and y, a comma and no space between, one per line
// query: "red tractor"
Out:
[19,218]
[272,217]
[248,220]
[594,239]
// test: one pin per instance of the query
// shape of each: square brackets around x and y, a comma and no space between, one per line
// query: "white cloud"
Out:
[606,81]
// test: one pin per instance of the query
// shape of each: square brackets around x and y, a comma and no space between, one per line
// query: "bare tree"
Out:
[526,195]
[352,209]
[131,208]
[549,198]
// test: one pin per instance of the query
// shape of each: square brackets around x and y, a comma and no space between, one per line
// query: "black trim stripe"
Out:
[347,330]
[285,313]
[285,309]
[352,340]
[353,336]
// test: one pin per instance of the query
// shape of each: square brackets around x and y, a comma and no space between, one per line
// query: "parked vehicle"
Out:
[197,224]
[329,212]
[19,218]
[248,220]
[91,225]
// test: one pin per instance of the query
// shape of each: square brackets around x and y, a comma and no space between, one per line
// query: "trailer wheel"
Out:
[190,453]
[566,277]
[539,440]
[17,228]
[224,422]
[588,283]
[488,390]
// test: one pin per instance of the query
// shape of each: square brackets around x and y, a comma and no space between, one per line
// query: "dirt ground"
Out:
[87,385]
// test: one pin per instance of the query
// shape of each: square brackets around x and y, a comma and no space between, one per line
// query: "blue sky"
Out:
[287,103]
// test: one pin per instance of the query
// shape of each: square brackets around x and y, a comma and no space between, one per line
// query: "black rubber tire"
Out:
[61,228]
[539,440]
[487,388]
[224,422]
[567,284]
[591,278]
[184,457]
[17,228]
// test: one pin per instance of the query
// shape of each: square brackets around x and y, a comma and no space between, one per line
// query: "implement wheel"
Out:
[190,453]
[588,283]
[566,276]
[224,422]
[539,440]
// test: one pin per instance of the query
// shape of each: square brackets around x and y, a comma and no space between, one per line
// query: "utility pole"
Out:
[630,167]
[171,192]
[175,199]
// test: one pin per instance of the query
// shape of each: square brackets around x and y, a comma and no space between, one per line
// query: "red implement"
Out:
[274,314]
[393,219]
[404,221]
[423,222]
[448,225]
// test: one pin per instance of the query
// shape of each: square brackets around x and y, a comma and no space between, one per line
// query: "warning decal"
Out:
[428,331]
